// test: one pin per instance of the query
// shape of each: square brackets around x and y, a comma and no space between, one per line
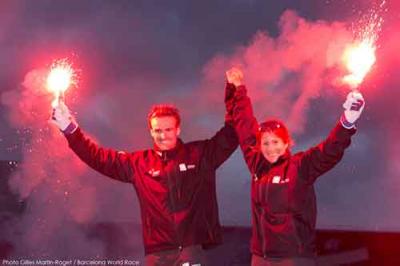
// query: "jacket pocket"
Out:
[282,236]
[278,197]
[184,186]
[274,196]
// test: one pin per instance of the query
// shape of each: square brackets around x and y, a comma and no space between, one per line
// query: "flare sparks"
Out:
[360,56]
[61,76]
[359,59]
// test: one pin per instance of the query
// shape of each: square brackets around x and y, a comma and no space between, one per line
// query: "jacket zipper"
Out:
[300,247]
[262,213]
[263,240]
[298,240]
[180,246]
[264,247]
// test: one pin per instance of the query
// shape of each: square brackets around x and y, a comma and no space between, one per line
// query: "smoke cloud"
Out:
[49,178]
[291,76]
[284,74]
[294,76]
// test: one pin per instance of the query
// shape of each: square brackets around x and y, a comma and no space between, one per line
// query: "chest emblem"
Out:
[154,173]
[184,167]
[279,180]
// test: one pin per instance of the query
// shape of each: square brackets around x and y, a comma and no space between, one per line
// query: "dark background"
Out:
[132,54]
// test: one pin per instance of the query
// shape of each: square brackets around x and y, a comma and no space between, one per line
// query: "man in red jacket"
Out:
[174,182]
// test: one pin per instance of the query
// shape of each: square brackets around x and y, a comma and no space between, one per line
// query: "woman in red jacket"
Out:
[282,193]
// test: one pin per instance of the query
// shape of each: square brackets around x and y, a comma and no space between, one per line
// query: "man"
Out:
[174,182]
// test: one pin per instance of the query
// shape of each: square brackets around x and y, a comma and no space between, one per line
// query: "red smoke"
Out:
[386,108]
[49,176]
[285,73]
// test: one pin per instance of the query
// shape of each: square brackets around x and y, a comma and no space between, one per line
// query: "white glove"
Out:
[63,119]
[353,107]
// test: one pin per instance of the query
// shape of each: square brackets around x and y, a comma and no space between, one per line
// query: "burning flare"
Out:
[359,58]
[61,76]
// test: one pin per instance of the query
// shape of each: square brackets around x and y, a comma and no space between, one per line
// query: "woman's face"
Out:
[272,146]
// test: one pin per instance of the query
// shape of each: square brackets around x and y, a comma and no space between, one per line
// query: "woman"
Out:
[282,192]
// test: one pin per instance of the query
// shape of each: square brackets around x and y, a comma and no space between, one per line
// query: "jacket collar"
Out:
[168,154]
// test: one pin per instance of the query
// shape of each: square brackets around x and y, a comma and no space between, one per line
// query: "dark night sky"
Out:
[133,54]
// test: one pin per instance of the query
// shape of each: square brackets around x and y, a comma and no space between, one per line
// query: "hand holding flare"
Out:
[62,118]
[61,76]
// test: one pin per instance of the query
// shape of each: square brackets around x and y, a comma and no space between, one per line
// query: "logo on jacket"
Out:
[278,180]
[183,167]
[154,173]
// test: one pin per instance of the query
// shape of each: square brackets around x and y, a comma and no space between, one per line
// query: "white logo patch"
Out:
[182,167]
[154,173]
[285,180]
[276,179]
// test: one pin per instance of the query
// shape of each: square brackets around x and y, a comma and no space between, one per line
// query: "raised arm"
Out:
[225,141]
[114,164]
[323,157]
[246,125]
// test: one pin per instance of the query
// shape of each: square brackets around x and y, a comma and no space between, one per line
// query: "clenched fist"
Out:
[234,76]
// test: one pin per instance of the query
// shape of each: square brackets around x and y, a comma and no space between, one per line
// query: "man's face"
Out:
[164,132]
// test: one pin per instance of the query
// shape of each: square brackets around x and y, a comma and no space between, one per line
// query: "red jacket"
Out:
[282,193]
[175,188]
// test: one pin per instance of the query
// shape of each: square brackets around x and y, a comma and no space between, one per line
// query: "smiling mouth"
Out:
[164,141]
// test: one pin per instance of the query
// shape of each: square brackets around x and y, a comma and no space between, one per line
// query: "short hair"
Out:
[162,110]
[276,127]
